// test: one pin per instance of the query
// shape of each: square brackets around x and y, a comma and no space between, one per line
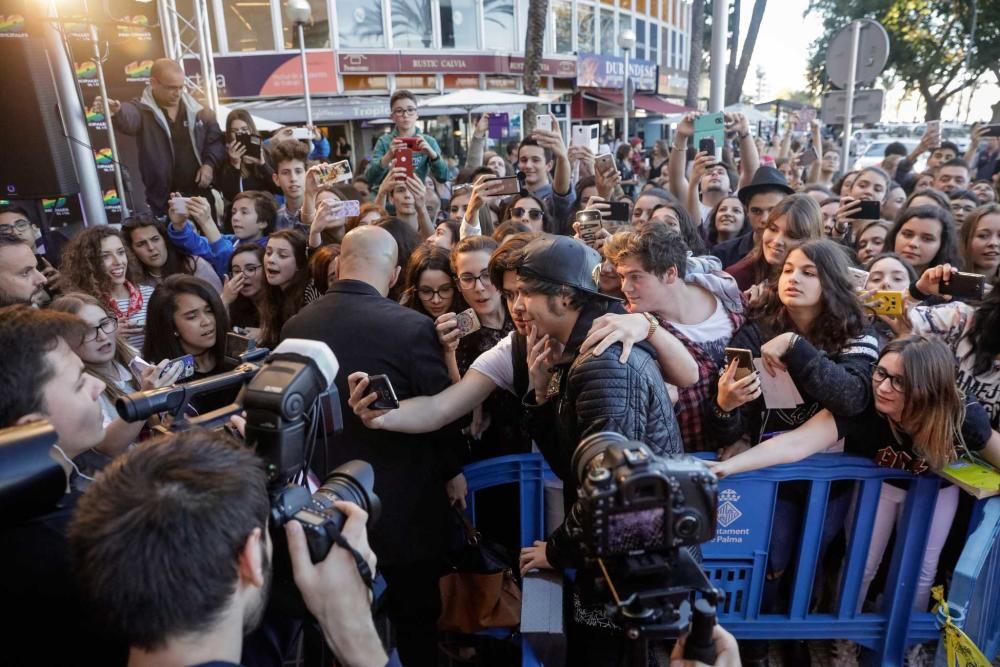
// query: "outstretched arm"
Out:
[812,437]
[420,414]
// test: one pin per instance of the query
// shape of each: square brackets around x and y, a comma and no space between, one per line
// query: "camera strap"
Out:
[359,560]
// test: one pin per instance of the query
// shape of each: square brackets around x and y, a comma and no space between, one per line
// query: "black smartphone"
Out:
[619,211]
[381,385]
[992,130]
[744,363]
[870,210]
[511,185]
[707,145]
[252,144]
[237,345]
[964,286]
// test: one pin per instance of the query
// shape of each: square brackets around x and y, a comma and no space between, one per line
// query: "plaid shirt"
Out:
[692,400]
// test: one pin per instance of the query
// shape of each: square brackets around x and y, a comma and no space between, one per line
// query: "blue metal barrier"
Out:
[974,600]
[736,559]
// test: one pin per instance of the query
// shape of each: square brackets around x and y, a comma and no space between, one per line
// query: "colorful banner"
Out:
[594,70]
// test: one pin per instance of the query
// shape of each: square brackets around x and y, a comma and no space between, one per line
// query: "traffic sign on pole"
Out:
[867,106]
[873,54]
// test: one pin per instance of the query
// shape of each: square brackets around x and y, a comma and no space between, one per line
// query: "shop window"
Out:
[459,24]
[359,24]
[248,26]
[563,14]
[354,82]
[584,28]
[498,16]
[608,36]
[412,24]
[317,33]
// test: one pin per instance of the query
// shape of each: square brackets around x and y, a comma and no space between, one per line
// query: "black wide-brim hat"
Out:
[564,261]
[765,179]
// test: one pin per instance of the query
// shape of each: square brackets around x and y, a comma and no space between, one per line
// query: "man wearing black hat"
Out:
[767,188]
[581,394]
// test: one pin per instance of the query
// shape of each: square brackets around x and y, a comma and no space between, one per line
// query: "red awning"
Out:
[650,103]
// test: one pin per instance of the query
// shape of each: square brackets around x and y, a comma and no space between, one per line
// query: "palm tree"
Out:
[534,43]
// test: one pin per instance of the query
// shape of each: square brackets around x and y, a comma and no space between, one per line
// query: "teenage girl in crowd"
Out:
[793,221]
[244,288]
[981,242]
[108,358]
[186,317]
[98,262]
[925,237]
[159,257]
[288,282]
[429,286]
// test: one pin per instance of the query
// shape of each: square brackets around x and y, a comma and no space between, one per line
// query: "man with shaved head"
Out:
[180,143]
[415,475]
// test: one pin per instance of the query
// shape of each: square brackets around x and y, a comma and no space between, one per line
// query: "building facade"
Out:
[358,51]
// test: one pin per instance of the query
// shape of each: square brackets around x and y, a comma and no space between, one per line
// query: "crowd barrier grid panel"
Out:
[742,501]
[529,472]
[736,560]
[974,597]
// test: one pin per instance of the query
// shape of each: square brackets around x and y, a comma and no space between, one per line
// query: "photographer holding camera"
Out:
[42,379]
[171,546]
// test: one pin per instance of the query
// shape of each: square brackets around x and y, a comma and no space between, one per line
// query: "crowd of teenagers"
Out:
[575,329]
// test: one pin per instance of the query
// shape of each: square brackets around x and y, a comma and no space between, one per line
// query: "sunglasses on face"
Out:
[532,213]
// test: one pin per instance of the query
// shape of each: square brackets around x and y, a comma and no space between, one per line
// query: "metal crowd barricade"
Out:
[736,560]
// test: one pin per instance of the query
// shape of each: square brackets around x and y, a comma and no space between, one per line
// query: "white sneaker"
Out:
[843,653]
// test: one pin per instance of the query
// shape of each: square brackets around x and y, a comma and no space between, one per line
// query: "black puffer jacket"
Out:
[598,393]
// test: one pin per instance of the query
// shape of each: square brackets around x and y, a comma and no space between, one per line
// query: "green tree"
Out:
[936,47]
[534,46]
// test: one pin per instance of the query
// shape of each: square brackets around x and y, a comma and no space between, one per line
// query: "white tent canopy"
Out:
[263,124]
[753,114]
[472,98]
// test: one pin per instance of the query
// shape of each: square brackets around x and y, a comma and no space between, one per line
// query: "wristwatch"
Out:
[654,324]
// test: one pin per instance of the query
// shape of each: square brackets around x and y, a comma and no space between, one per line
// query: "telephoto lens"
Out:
[352,482]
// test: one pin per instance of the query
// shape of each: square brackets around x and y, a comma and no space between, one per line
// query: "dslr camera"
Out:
[638,521]
[292,411]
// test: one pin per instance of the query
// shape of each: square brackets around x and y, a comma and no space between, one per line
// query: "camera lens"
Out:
[686,526]
[590,447]
[352,482]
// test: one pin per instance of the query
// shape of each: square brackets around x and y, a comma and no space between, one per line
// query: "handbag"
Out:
[480,589]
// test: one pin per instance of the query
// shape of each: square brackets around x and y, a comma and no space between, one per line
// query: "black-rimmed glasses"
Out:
[108,325]
[468,281]
[444,293]
[879,375]
[249,269]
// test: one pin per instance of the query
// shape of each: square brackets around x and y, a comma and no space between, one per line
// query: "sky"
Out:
[782,50]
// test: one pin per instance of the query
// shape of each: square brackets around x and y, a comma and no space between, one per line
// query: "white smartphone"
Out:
[180,205]
[934,127]
[605,161]
[302,133]
[543,122]
[587,135]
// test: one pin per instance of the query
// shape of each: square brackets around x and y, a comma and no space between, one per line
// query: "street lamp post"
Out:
[299,12]
[626,40]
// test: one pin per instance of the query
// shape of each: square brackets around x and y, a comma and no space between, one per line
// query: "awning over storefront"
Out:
[650,103]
